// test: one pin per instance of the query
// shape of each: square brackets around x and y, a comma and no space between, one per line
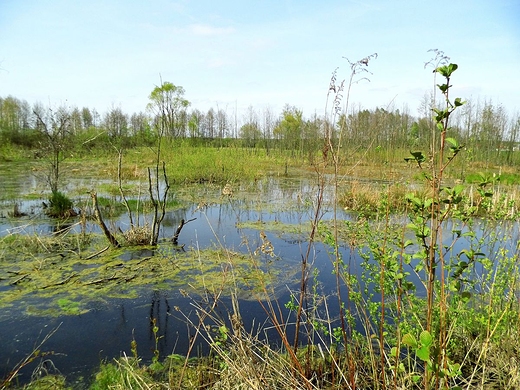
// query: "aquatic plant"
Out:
[60,206]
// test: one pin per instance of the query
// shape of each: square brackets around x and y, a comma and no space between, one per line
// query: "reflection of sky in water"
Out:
[107,330]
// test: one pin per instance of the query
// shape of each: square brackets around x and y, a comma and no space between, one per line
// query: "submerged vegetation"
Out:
[425,275]
[54,277]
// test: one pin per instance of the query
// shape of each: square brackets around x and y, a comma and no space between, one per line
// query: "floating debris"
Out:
[227,190]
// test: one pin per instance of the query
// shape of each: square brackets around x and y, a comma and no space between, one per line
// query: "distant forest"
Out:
[486,130]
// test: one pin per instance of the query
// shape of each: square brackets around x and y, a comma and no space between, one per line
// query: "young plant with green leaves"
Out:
[430,213]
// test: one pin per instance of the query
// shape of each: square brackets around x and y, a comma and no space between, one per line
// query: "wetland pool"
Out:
[89,328]
[94,322]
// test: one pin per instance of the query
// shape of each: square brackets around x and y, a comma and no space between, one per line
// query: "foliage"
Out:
[121,374]
[60,206]
[251,134]
[168,107]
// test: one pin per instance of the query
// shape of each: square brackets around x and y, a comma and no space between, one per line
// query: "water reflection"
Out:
[160,312]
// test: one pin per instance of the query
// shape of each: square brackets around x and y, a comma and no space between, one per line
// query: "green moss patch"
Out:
[69,282]
[278,227]
[70,307]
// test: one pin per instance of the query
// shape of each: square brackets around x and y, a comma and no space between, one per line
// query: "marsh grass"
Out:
[48,382]
[377,344]
[483,338]
[137,235]
[285,229]
[193,164]
[373,200]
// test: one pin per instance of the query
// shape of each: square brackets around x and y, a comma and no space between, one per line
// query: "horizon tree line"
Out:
[486,129]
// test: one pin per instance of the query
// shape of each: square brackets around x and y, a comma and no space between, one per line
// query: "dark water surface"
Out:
[81,342]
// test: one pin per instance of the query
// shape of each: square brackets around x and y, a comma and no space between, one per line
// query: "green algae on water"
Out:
[71,281]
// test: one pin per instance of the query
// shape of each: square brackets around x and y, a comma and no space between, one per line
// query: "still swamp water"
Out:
[97,318]
[99,304]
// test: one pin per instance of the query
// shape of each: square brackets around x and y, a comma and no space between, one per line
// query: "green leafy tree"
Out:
[169,108]
[76,121]
[168,105]
[15,122]
[290,129]
[513,139]
[250,132]
[87,117]
[195,124]
[222,124]
[139,123]
[268,125]
[209,124]
[489,130]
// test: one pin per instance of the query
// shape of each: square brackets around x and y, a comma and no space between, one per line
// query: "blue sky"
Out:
[233,54]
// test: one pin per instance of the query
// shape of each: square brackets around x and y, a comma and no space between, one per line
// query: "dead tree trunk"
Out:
[97,214]
[175,238]
[158,201]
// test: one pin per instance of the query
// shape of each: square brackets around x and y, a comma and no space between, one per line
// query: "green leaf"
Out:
[440,115]
[393,351]
[455,285]
[409,340]
[452,141]
[413,199]
[447,70]
[458,102]
[426,338]
[418,156]
[470,234]
[466,295]
[423,353]
[458,189]
[463,264]
[443,87]
[443,70]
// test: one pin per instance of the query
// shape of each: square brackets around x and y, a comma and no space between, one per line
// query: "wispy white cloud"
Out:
[208,30]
